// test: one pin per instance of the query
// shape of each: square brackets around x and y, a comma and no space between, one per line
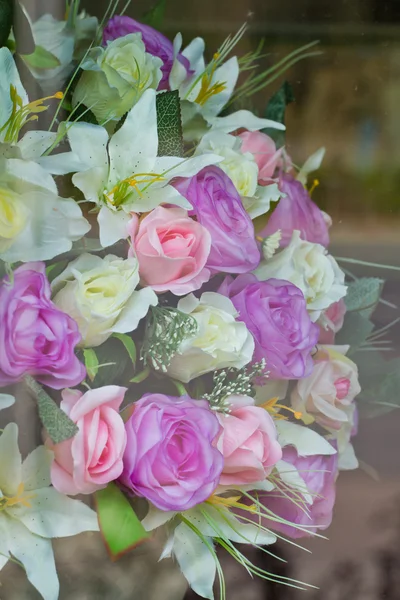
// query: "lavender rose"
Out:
[275,312]
[155,42]
[319,475]
[36,338]
[171,456]
[296,210]
[218,206]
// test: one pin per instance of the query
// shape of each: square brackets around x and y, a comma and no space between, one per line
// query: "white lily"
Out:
[312,163]
[32,512]
[242,168]
[35,222]
[122,173]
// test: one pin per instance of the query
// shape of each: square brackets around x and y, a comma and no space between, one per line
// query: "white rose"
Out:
[115,77]
[240,167]
[310,268]
[100,295]
[220,342]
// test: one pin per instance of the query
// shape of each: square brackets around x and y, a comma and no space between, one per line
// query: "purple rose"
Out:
[297,211]
[36,337]
[319,474]
[155,43]
[171,456]
[218,207]
[275,312]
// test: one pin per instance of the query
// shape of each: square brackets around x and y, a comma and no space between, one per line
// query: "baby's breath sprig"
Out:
[166,329]
[230,382]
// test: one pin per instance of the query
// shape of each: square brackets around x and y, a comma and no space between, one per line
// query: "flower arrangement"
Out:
[179,318]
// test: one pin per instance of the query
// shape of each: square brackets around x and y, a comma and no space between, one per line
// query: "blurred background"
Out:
[348,100]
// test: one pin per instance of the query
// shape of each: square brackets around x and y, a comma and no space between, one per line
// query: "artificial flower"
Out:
[114,78]
[221,340]
[32,513]
[172,250]
[296,211]
[242,168]
[122,174]
[36,337]
[101,295]
[218,207]
[326,395]
[93,457]
[331,322]
[248,443]
[308,266]
[155,43]
[265,154]
[275,312]
[171,456]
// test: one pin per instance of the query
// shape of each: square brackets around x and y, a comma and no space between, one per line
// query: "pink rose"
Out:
[331,322]
[249,443]
[93,458]
[172,250]
[265,153]
[327,395]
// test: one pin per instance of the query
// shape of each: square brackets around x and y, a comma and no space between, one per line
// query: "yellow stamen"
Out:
[207,88]
[119,192]
[314,185]
[273,408]
[231,502]
[20,498]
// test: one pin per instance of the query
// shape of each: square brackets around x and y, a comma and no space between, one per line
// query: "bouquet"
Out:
[174,311]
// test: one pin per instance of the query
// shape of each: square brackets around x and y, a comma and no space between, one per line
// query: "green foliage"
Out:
[363,295]
[129,346]
[82,113]
[58,425]
[380,384]
[113,361]
[355,330]
[25,44]
[154,17]
[169,124]
[119,524]
[6,20]
[276,110]
[41,59]
[91,363]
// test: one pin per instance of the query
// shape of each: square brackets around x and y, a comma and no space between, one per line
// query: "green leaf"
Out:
[91,362]
[82,113]
[6,20]
[22,30]
[141,376]
[58,425]
[276,109]
[380,384]
[111,352]
[363,295]
[355,330]
[129,345]
[169,124]
[41,59]
[154,17]
[120,527]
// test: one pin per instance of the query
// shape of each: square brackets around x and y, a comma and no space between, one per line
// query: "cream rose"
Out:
[220,342]
[326,396]
[116,77]
[100,295]
[310,268]
[13,217]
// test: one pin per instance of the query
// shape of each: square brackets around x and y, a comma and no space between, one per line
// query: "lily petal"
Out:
[10,461]
[36,469]
[243,119]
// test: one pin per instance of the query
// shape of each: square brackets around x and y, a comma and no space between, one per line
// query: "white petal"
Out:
[92,183]
[155,196]
[3,561]
[112,225]
[194,52]
[261,203]
[10,460]
[291,476]
[52,515]
[306,441]
[53,225]
[178,72]
[134,147]
[36,469]
[195,560]
[61,164]
[227,74]
[312,163]
[6,400]
[168,548]
[245,119]
[348,459]
[274,388]
[185,167]
[36,554]
[89,143]
[134,310]
[35,143]
[9,76]
[27,175]
[156,518]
